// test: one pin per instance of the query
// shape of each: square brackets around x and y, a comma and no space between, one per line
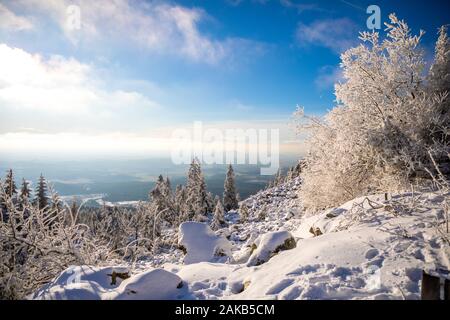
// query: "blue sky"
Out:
[138,69]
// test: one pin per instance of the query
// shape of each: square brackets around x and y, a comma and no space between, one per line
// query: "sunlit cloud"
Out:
[12,22]
[157,27]
[155,141]
[32,86]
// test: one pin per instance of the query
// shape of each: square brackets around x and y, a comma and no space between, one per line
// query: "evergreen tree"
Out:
[41,193]
[168,188]
[10,189]
[25,191]
[180,198]
[218,219]
[10,184]
[243,212]
[229,194]
[440,70]
[161,197]
[278,178]
[210,202]
[74,207]
[439,79]
[197,202]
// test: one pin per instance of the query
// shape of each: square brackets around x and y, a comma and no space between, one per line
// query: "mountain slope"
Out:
[368,248]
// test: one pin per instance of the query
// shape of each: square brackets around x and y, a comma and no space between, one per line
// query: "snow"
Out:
[93,283]
[202,244]
[370,248]
[156,284]
[269,244]
[83,282]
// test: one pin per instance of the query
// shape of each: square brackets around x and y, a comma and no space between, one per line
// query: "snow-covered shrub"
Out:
[218,219]
[269,245]
[391,112]
[201,244]
[131,233]
[36,244]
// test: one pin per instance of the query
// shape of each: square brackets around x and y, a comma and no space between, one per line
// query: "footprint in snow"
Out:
[304,270]
[292,293]
[277,288]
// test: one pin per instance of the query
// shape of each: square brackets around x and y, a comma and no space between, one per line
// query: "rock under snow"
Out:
[81,282]
[156,284]
[201,244]
[91,283]
[269,245]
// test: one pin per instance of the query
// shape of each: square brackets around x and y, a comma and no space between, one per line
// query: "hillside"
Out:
[368,248]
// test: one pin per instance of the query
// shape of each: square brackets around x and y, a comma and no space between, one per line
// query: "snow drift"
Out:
[202,244]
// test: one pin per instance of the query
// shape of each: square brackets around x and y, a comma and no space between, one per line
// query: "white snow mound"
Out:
[156,284]
[80,283]
[202,244]
[270,244]
[93,283]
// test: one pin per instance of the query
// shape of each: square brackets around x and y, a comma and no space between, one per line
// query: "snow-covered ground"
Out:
[368,248]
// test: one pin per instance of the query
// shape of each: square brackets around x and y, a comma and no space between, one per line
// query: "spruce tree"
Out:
[197,197]
[161,197]
[10,184]
[218,219]
[230,201]
[25,191]
[168,188]
[439,79]
[41,193]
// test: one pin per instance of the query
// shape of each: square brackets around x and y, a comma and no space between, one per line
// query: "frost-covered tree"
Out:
[439,79]
[34,249]
[262,213]
[379,135]
[218,219]
[10,184]
[180,202]
[211,202]
[25,191]
[41,193]
[279,179]
[230,201]
[168,187]
[161,196]
[243,212]
[196,194]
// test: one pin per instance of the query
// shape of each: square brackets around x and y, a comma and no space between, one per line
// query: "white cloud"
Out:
[33,88]
[335,34]
[300,7]
[12,22]
[157,27]
[328,76]
[155,141]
